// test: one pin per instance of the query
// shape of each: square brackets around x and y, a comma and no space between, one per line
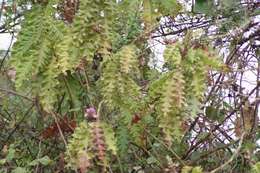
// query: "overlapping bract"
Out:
[118,88]
[47,49]
[90,141]
[33,56]
[182,88]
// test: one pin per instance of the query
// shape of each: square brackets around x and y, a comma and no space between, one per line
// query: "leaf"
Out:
[227,105]
[147,14]
[197,169]
[123,139]
[34,163]
[186,169]
[229,3]
[151,160]
[249,146]
[202,135]
[256,168]
[2,161]
[194,106]
[11,153]
[189,169]
[204,6]
[44,161]
[169,7]
[258,135]
[216,114]
[19,170]
[110,138]
[195,155]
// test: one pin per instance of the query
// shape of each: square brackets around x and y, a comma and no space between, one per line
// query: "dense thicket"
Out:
[82,93]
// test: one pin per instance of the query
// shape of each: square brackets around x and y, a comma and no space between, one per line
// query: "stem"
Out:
[60,131]
[69,90]
[17,94]
[173,152]
[232,157]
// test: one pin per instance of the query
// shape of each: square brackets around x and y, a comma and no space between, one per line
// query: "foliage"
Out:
[186,81]
[90,141]
[256,168]
[187,169]
[73,56]
[40,65]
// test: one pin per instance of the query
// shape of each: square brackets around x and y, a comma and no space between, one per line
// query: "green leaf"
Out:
[110,138]
[169,7]
[44,161]
[186,169]
[202,135]
[258,135]
[195,155]
[197,169]
[123,139]
[147,14]
[151,160]
[189,169]
[34,163]
[204,6]
[229,3]
[216,114]
[19,170]
[256,12]
[11,153]
[2,161]
[3,171]
[227,105]
[194,107]
[256,168]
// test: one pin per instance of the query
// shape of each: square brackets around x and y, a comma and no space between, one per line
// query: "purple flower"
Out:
[91,114]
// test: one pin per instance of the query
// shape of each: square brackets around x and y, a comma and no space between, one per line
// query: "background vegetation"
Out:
[83,90]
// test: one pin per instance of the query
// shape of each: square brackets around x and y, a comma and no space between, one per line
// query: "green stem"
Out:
[171,150]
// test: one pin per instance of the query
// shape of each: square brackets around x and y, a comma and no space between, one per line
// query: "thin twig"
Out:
[60,131]
[17,94]
[173,152]
[232,157]
[17,126]
[38,156]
